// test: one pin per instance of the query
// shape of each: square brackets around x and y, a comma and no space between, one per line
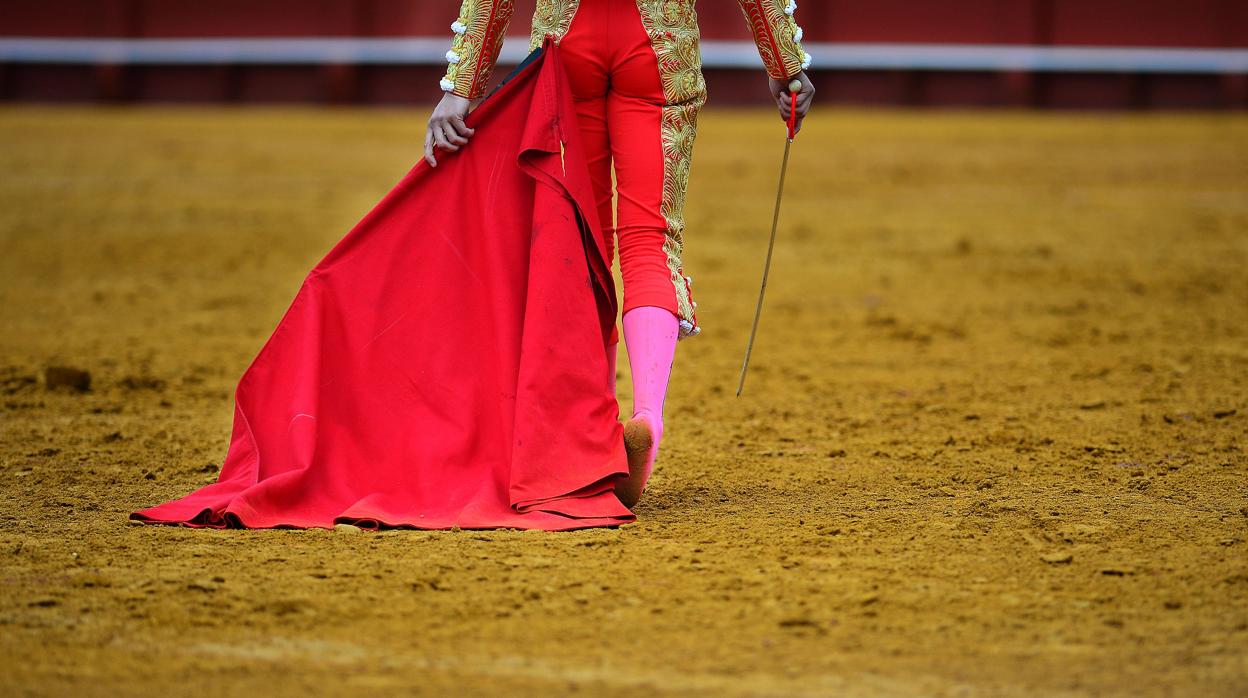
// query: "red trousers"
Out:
[618,95]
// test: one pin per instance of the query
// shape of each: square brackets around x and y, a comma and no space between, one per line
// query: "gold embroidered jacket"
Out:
[672,25]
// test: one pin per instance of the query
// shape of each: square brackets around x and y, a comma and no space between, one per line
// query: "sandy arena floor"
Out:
[992,441]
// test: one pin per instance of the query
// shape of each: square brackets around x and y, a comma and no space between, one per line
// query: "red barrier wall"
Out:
[1157,23]
[1188,23]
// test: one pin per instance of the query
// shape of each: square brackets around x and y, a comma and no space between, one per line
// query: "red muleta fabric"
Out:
[445,364]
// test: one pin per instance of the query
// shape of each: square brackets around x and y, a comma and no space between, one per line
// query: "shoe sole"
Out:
[637,442]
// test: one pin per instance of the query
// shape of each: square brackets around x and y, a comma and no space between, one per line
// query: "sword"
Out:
[794,87]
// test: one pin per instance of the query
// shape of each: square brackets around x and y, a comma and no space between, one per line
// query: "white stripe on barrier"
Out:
[715,54]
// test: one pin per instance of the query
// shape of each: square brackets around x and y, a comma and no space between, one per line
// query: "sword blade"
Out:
[775,222]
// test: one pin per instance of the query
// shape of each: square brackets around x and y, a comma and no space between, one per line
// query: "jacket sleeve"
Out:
[479,31]
[777,35]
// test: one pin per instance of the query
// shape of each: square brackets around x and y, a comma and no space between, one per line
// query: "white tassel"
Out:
[790,8]
[447,85]
[805,60]
[452,57]
[458,27]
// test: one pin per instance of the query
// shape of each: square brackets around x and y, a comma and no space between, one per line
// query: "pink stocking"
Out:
[650,334]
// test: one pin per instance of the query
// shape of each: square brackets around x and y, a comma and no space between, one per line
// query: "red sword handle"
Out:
[794,87]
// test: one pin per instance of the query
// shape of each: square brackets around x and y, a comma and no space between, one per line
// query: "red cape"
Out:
[445,364]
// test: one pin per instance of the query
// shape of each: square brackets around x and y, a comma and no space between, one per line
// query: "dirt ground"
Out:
[992,441]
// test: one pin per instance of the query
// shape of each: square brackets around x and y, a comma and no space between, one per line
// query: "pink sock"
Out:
[650,338]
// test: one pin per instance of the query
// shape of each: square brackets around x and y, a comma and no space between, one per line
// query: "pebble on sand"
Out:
[1057,558]
[347,528]
[67,377]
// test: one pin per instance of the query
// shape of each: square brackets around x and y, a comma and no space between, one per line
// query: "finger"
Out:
[429,150]
[457,122]
[801,106]
[452,137]
[440,141]
[454,130]
[451,134]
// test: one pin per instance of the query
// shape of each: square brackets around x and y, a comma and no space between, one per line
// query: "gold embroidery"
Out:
[679,126]
[777,36]
[475,49]
[673,29]
[672,26]
[551,17]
